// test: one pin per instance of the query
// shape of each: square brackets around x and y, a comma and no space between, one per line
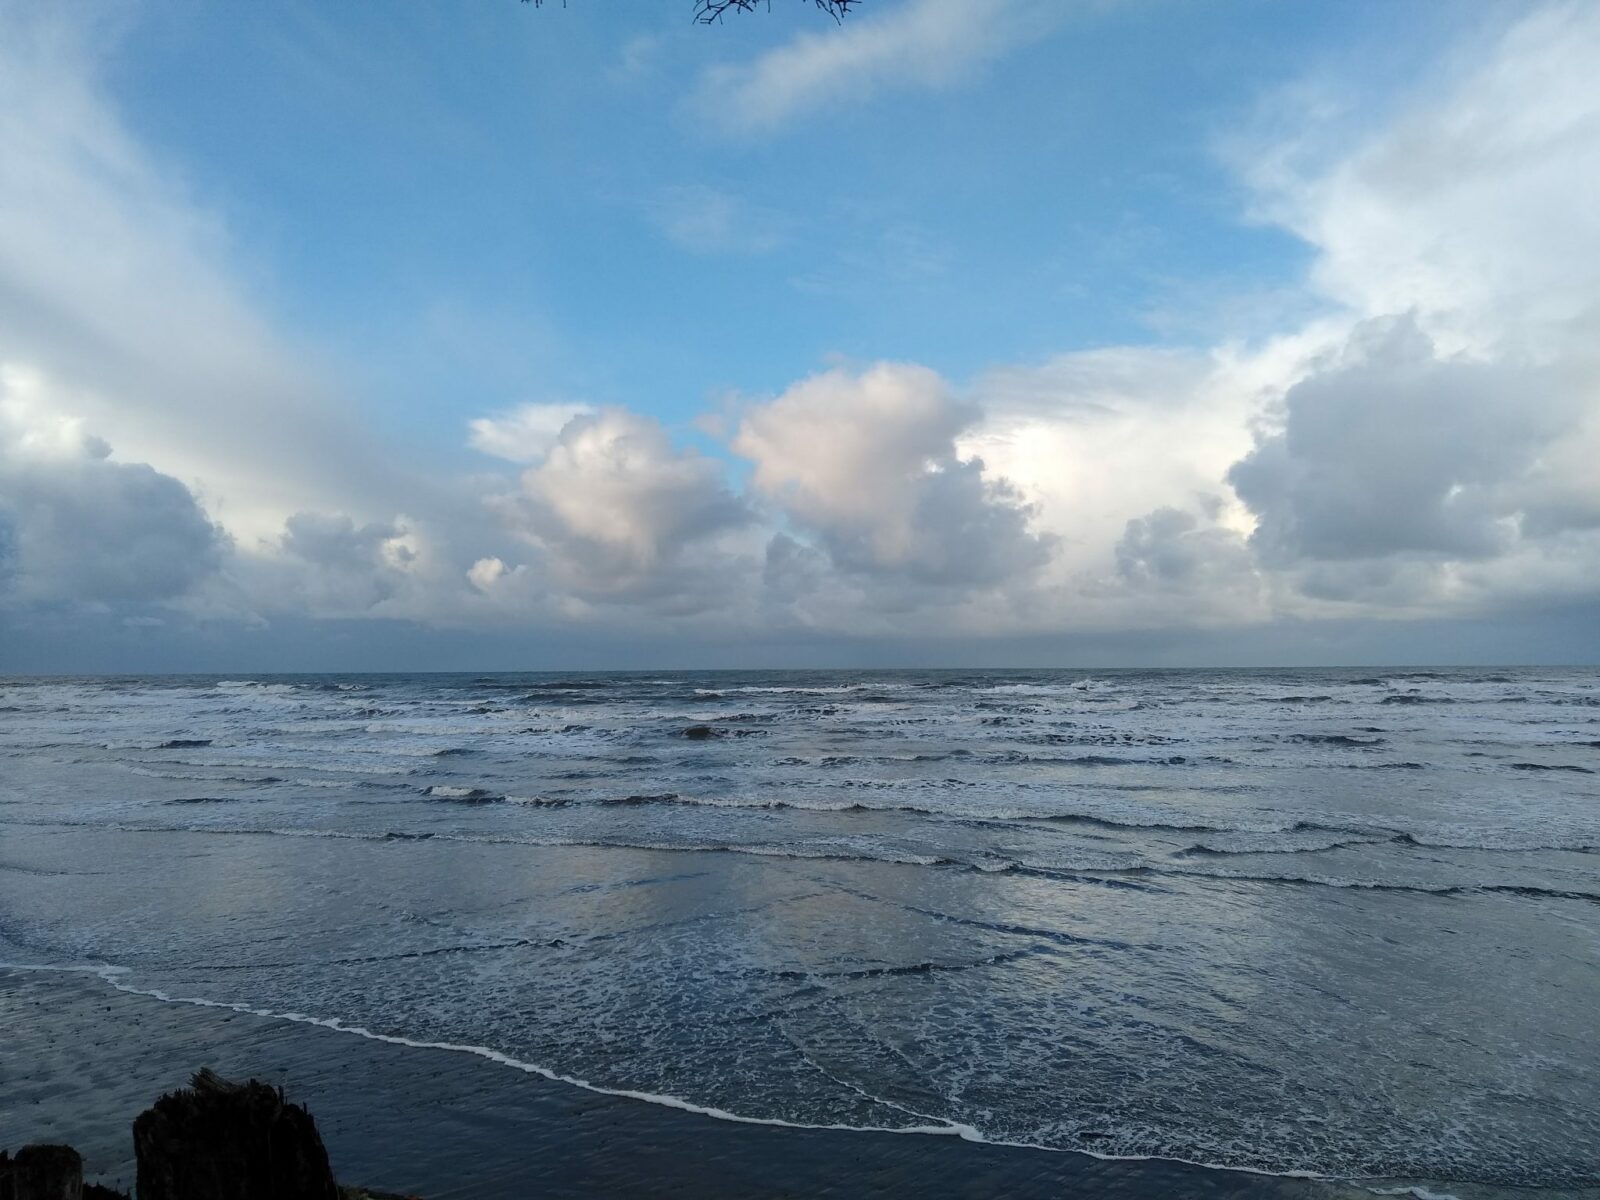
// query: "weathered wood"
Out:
[218,1140]
[42,1173]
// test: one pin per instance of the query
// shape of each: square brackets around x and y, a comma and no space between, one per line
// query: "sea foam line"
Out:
[112,976]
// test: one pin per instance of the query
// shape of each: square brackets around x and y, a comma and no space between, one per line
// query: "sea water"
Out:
[1337,922]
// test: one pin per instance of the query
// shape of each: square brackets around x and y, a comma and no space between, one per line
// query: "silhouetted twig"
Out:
[707,12]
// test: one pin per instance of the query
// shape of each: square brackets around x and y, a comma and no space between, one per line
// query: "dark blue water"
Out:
[1339,922]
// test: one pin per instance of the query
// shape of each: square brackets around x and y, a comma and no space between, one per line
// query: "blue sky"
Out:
[474,207]
[947,324]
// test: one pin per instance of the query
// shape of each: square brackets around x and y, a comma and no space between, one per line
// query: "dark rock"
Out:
[218,1140]
[42,1173]
[699,733]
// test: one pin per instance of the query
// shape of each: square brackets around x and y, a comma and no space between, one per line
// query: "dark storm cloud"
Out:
[85,529]
[1394,449]
[1171,547]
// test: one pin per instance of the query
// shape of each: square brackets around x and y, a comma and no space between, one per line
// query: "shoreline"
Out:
[87,1055]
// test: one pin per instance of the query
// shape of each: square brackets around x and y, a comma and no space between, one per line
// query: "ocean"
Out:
[1339,923]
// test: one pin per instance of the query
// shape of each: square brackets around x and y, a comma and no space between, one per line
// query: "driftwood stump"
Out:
[217,1140]
[48,1173]
[41,1173]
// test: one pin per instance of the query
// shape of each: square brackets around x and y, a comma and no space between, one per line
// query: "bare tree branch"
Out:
[709,12]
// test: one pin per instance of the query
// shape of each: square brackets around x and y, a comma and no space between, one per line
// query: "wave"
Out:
[313,762]
[1224,846]
[1109,869]
[548,685]
[816,851]
[1436,839]
[1022,758]
[835,760]
[255,685]
[1378,885]
[1098,739]
[776,690]
[1338,833]
[461,795]
[1335,739]
[928,967]
[351,785]
[209,777]
[1117,870]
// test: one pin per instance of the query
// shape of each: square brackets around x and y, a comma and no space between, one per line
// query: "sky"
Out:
[1013,332]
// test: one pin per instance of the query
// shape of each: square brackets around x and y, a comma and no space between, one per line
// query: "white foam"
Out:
[840,690]
[113,976]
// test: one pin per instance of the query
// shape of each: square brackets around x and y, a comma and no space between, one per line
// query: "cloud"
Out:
[1097,437]
[337,568]
[706,220]
[79,527]
[121,285]
[1472,205]
[1175,548]
[525,434]
[1184,568]
[1438,455]
[1424,444]
[488,573]
[620,512]
[637,57]
[1392,450]
[792,569]
[867,463]
[920,43]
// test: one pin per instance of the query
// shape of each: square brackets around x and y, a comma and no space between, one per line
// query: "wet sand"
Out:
[80,1060]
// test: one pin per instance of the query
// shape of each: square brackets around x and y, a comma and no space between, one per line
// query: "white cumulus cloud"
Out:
[620,512]
[867,463]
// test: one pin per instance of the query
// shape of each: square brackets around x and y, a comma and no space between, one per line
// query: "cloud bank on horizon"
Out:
[1398,431]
